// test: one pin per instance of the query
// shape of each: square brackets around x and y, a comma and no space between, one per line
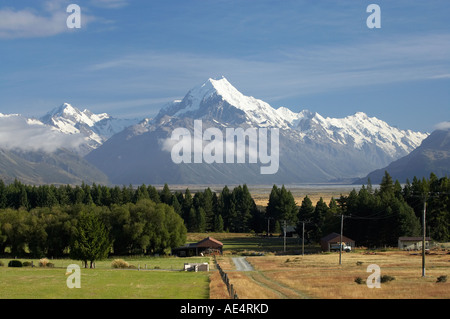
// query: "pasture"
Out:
[276,275]
[160,280]
[319,276]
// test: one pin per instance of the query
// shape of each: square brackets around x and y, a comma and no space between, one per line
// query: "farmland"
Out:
[321,276]
[160,280]
[276,275]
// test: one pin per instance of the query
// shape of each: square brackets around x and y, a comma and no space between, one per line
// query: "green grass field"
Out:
[103,282]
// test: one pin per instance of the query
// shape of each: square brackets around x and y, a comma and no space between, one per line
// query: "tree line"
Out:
[372,217]
[48,220]
[45,219]
[89,232]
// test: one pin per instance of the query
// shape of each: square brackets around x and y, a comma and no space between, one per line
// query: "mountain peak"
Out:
[65,108]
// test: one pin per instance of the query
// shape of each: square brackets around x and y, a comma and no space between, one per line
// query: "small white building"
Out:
[196,267]
[413,243]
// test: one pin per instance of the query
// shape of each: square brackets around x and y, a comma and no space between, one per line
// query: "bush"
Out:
[119,263]
[50,265]
[359,263]
[43,262]
[27,264]
[386,278]
[442,278]
[15,263]
[359,280]
[1,263]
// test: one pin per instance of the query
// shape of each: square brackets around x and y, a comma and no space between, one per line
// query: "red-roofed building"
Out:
[206,246]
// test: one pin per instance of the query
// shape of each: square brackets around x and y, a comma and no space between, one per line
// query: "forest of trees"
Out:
[47,220]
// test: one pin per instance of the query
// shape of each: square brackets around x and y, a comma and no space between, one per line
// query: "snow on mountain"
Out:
[96,128]
[312,148]
[197,101]
[359,130]
[356,130]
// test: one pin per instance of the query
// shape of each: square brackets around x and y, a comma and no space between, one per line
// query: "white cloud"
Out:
[443,126]
[50,20]
[17,132]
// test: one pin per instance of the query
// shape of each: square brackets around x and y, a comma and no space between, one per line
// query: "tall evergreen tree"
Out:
[90,241]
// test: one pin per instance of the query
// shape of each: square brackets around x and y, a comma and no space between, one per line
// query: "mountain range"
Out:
[432,156]
[50,149]
[311,148]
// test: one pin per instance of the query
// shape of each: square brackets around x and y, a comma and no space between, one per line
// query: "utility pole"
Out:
[424,235]
[303,239]
[268,219]
[303,236]
[284,235]
[340,245]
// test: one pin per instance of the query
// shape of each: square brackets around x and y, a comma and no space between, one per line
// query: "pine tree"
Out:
[186,206]
[165,195]
[218,223]
[90,241]
[306,214]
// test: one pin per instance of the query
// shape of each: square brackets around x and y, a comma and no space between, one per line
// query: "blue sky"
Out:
[130,57]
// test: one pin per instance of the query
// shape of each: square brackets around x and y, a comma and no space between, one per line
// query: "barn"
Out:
[334,239]
[412,243]
[205,246]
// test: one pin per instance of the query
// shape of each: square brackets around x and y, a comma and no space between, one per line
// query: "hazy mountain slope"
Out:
[432,156]
[312,148]
[38,167]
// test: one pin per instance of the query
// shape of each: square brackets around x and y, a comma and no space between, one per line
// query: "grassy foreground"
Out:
[103,282]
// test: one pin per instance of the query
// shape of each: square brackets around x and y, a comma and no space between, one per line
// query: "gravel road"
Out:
[242,264]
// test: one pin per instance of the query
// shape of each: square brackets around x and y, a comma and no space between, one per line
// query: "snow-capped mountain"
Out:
[312,148]
[221,94]
[213,97]
[95,128]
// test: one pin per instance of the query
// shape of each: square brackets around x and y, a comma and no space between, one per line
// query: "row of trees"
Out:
[89,232]
[372,217]
[45,218]
[230,210]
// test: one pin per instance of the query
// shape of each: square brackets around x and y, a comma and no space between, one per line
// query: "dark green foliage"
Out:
[386,278]
[15,263]
[90,240]
[442,278]
[282,205]
[39,221]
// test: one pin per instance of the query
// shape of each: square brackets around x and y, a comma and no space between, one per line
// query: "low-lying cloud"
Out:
[20,133]
[443,126]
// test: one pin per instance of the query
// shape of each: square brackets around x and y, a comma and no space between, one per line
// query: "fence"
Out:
[231,291]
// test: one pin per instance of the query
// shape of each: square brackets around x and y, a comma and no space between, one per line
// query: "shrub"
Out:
[1,263]
[50,265]
[359,280]
[359,263]
[27,264]
[119,263]
[386,278]
[43,262]
[15,263]
[442,278]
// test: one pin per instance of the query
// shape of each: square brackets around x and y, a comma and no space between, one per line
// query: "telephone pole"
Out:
[340,244]
[303,236]
[424,236]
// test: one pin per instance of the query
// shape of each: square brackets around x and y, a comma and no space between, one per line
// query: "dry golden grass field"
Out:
[321,276]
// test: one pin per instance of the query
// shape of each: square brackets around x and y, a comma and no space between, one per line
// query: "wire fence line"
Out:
[231,291]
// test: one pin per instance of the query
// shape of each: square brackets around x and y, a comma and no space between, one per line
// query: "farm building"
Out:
[334,239]
[413,243]
[207,245]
